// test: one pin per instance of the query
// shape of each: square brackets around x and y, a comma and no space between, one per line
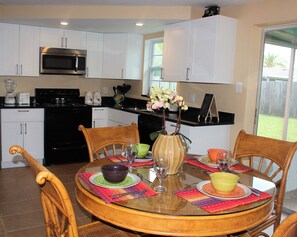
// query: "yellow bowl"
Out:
[224,182]
[142,150]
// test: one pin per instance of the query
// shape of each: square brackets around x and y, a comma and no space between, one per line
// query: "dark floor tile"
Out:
[32,232]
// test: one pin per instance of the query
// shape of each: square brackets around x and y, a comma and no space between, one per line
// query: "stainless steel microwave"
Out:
[62,61]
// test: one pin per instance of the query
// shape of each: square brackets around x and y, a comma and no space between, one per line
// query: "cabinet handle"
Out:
[122,73]
[66,42]
[25,128]
[21,69]
[62,42]
[162,74]
[187,76]
[21,127]
[87,72]
[17,69]
[23,110]
[98,109]
[93,124]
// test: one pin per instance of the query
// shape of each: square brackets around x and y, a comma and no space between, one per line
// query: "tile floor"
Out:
[20,207]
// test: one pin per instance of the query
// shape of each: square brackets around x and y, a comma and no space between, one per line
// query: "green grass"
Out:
[272,126]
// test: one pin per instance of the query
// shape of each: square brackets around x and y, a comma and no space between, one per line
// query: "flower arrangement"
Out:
[162,99]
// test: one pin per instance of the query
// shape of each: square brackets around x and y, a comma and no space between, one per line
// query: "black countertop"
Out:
[188,117]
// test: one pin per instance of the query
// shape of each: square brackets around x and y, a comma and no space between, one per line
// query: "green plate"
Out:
[129,181]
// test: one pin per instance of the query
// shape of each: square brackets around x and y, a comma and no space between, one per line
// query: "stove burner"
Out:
[58,97]
[64,105]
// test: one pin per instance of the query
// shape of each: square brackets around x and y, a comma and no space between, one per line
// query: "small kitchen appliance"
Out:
[23,98]
[97,98]
[10,87]
[89,98]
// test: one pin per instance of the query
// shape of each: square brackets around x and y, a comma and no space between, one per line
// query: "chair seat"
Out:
[92,230]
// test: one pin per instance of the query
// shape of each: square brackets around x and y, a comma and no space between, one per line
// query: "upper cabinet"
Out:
[19,47]
[201,50]
[59,38]
[94,55]
[122,56]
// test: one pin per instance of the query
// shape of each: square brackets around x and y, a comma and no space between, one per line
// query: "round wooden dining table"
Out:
[166,213]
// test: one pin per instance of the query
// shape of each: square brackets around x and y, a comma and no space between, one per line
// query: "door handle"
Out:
[76,64]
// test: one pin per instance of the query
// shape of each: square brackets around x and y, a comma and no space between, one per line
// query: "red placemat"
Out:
[107,194]
[237,168]
[213,205]
[122,160]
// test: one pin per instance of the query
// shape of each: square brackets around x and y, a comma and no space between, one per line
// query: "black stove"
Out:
[64,112]
[58,97]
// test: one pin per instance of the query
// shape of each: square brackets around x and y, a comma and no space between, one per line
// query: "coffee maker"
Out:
[10,87]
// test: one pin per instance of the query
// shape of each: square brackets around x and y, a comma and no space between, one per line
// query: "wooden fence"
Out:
[273,97]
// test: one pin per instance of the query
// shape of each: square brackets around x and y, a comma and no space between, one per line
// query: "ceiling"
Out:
[112,25]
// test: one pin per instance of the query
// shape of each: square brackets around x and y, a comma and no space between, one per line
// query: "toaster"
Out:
[23,98]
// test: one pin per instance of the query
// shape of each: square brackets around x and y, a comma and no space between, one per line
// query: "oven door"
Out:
[63,142]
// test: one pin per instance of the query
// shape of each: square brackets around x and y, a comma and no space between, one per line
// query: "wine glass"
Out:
[131,151]
[161,166]
[224,160]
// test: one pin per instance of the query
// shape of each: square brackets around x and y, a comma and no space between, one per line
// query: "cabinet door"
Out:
[94,55]
[114,53]
[75,39]
[34,138]
[29,51]
[134,57]
[51,37]
[9,48]
[11,134]
[117,117]
[99,117]
[213,49]
[177,40]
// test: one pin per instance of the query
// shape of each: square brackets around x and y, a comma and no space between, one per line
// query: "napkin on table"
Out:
[213,205]
[237,168]
[121,159]
[105,193]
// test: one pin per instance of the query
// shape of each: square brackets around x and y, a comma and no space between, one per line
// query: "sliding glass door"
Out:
[276,115]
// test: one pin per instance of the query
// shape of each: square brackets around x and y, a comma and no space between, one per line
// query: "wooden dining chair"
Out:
[108,141]
[272,158]
[288,227]
[57,208]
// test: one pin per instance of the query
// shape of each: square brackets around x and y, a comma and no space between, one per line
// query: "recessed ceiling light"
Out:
[64,23]
[139,24]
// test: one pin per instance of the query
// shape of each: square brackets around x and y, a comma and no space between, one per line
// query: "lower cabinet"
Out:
[99,117]
[23,127]
[121,118]
[204,137]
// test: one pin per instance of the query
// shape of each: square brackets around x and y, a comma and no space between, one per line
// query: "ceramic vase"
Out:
[170,147]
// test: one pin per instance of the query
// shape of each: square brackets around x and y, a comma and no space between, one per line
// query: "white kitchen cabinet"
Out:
[121,118]
[59,38]
[19,46]
[203,137]
[94,55]
[122,56]
[99,117]
[23,127]
[201,50]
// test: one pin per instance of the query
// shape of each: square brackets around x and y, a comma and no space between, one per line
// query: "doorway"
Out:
[276,115]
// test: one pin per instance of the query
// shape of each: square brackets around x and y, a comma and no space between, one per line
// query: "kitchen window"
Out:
[152,69]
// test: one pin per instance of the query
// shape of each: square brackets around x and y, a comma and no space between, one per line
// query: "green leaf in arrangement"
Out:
[155,134]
